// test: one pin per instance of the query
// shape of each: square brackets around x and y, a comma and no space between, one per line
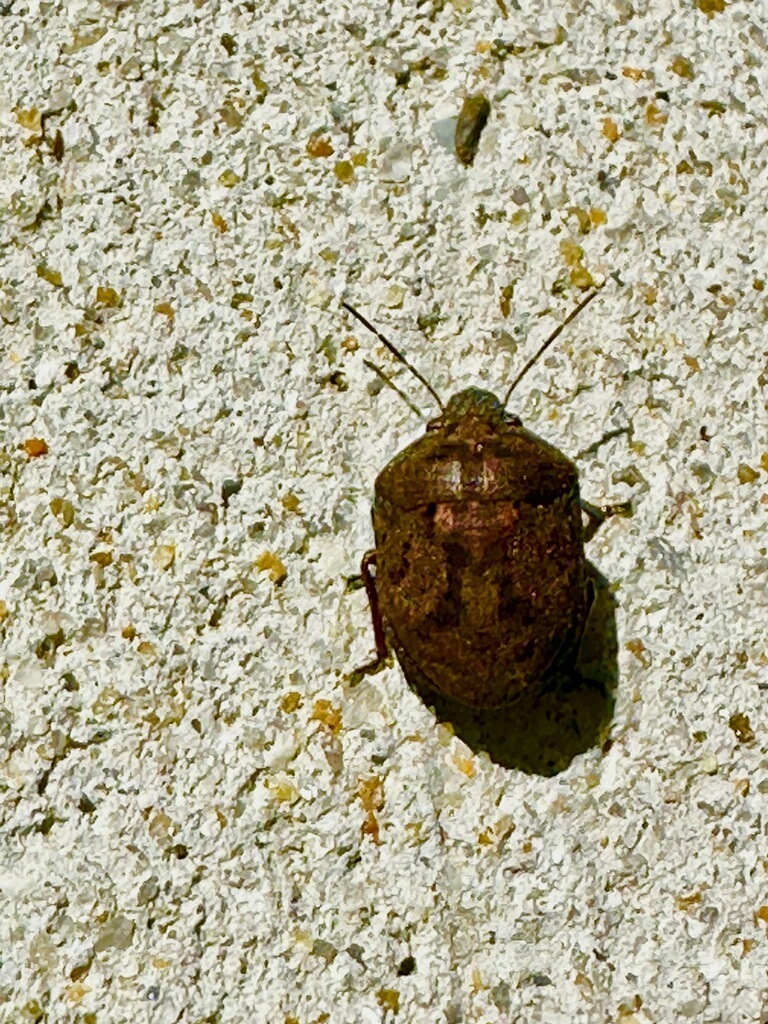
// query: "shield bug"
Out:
[478,579]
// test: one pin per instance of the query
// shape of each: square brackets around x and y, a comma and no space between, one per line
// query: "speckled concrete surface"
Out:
[202,819]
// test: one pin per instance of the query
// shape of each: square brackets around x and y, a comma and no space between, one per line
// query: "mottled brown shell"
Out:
[480,555]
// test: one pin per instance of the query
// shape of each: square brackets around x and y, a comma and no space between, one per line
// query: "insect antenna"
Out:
[391,384]
[543,348]
[395,352]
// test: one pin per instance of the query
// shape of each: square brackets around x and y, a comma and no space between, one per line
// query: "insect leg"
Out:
[369,579]
[382,655]
[597,515]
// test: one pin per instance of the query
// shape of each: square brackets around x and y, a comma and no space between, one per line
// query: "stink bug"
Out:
[478,579]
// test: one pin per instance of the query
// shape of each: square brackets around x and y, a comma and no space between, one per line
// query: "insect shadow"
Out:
[544,730]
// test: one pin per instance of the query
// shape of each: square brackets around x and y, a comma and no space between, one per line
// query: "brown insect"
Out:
[472,119]
[478,579]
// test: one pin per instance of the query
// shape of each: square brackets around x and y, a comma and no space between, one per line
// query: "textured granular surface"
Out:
[202,817]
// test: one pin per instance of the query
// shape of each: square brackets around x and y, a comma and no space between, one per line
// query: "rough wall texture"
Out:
[201,818]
